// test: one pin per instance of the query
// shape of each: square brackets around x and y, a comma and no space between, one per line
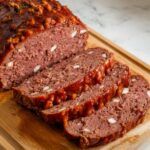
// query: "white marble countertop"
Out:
[125,22]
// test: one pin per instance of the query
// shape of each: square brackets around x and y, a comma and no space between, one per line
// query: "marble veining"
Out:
[125,22]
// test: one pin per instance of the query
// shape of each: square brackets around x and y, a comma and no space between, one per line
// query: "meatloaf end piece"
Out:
[35,34]
[91,100]
[65,80]
[118,117]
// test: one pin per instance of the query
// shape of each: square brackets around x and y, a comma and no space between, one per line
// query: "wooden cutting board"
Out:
[21,129]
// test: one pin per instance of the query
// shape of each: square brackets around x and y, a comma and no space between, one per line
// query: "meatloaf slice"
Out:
[91,100]
[64,80]
[35,34]
[119,116]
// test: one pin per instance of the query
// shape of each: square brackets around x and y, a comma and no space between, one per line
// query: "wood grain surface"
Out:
[22,129]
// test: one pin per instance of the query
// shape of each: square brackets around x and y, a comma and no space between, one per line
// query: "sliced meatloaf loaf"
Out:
[91,100]
[119,116]
[35,34]
[64,80]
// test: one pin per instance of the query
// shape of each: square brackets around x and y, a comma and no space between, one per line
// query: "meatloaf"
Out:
[113,121]
[65,80]
[35,34]
[91,100]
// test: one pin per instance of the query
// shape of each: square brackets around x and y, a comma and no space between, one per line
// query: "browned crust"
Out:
[140,109]
[20,19]
[91,105]
[70,92]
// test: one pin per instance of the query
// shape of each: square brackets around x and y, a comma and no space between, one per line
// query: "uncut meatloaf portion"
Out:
[95,98]
[35,34]
[115,119]
[65,80]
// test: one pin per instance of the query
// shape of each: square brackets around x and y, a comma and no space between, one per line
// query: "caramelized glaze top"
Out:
[21,18]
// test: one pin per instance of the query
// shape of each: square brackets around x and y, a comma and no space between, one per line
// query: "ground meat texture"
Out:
[35,34]
[95,98]
[115,119]
[64,80]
